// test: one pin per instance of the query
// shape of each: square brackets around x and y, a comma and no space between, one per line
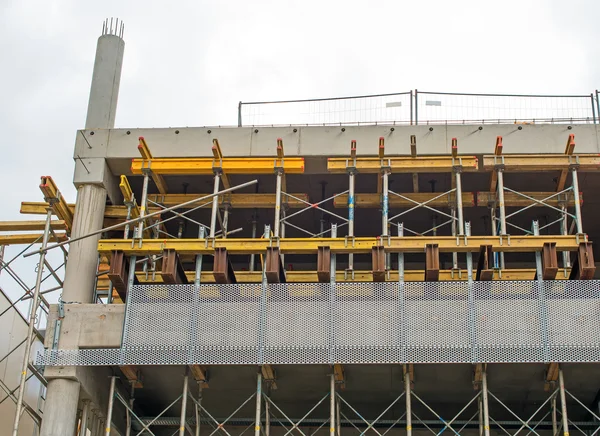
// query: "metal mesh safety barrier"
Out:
[322,323]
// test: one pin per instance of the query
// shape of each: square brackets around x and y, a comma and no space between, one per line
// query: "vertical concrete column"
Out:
[60,409]
[104,92]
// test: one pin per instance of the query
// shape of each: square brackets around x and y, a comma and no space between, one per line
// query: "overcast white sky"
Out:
[189,63]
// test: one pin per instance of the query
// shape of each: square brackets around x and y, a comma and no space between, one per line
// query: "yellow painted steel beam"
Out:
[359,276]
[404,164]
[569,149]
[26,226]
[374,200]
[231,165]
[146,154]
[512,199]
[542,162]
[59,206]
[29,238]
[406,244]
[236,201]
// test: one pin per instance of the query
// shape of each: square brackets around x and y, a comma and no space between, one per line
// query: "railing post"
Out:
[416,107]
[240,114]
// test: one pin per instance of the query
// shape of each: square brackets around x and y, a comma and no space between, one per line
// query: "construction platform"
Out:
[312,279]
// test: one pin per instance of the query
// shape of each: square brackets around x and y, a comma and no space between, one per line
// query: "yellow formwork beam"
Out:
[542,162]
[30,238]
[207,277]
[27,226]
[128,196]
[147,155]
[404,164]
[406,244]
[513,199]
[110,212]
[236,201]
[59,206]
[374,200]
[230,165]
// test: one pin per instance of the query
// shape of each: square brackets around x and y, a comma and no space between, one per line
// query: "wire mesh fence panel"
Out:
[322,323]
[436,107]
[370,109]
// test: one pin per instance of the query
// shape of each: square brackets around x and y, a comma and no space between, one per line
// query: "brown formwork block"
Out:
[221,266]
[432,263]
[484,272]
[172,271]
[585,256]
[118,272]
[378,256]
[272,264]
[549,261]
[324,264]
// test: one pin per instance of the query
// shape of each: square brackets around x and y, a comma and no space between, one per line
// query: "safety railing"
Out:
[424,107]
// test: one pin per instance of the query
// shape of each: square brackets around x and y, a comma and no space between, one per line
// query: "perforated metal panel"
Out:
[317,323]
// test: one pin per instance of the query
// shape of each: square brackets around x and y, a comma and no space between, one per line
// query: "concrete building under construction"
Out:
[404,274]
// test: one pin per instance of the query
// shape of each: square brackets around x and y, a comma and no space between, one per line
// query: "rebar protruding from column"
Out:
[484,395]
[408,403]
[111,401]
[30,328]
[331,402]
[215,206]
[184,398]
[575,182]
[258,404]
[563,403]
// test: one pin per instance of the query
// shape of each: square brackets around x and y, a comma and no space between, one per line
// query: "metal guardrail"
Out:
[423,107]
[322,323]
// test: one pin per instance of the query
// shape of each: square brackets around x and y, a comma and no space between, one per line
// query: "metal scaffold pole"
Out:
[258,404]
[577,201]
[215,206]
[184,404]
[31,326]
[484,399]
[84,418]
[563,403]
[408,403]
[331,402]
[111,401]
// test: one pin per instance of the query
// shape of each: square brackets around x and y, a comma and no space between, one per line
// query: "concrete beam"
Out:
[119,146]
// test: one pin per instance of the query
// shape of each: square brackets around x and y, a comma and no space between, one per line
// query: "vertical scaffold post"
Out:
[331,402]
[554,420]
[454,254]
[35,302]
[471,298]
[564,229]
[337,418]
[143,208]
[351,201]
[253,236]
[385,172]
[575,182]
[408,402]
[215,205]
[184,404]
[480,413]
[197,409]
[501,208]
[111,402]
[267,419]
[484,399]
[258,404]
[277,225]
[563,403]
[459,203]
[84,418]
